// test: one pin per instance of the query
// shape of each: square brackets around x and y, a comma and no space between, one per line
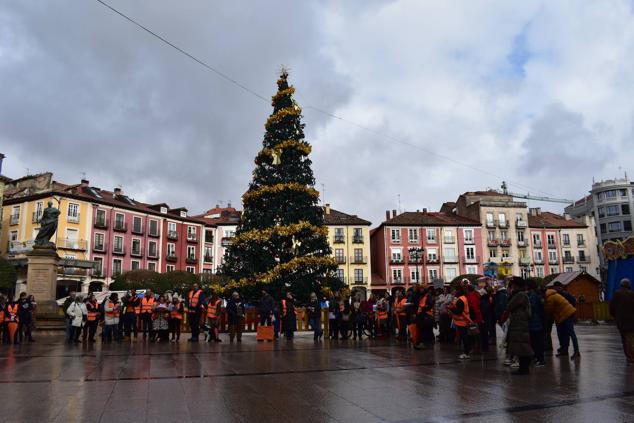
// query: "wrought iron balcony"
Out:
[525,261]
[521,244]
[552,245]
[360,280]
[519,223]
[339,239]
[450,259]
[191,260]
[469,241]
[137,229]
[581,243]
[539,261]
[101,223]
[71,244]
[36,217]
[493,242]
[396,260]
[537,244]
[14,219]
[136,252]
[358,259]
[568,259]
[192,237]
[433,260]
[357,239]
[471,260]
[209,259]
[120,227]
[490,223]
[583,259]
[171,257]
[340,259]
[449,239]
[100,248]
[118,250]
[505,243]
[72,218]
[172,235]
[503,224]
[226,242]
[18,247]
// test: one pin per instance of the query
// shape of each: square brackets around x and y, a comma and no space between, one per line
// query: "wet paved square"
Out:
[300,381]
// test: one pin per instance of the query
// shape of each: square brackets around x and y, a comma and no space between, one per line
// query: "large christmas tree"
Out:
[281,242]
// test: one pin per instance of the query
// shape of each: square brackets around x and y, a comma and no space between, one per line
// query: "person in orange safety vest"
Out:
[459,311]
[214,308]
[147,308]
[11,320]
[195,308]
[177,312]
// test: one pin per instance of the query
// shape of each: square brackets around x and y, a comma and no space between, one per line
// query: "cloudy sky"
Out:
[437,97]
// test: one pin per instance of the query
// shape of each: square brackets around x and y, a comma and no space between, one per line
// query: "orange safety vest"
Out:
[193,298]
[115,310]
[212,309]
[422,304]
[92,315]
[463,319]
[12,313]
[381,315]
[400,306]
[147,305]
[176,314]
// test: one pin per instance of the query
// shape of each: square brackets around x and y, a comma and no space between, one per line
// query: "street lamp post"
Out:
[416,253]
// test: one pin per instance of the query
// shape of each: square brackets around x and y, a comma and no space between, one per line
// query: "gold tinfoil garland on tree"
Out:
[281,114]
[281,94]
[273,189]
[262,235]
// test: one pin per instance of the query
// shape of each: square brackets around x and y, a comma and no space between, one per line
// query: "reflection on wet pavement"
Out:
[348,381]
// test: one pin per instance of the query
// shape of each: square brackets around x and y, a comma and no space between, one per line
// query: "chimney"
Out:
[387,215]
[117,191]
[1,159]
[229,205]
[85,183]
[393,213]
[327,208]
[424,211]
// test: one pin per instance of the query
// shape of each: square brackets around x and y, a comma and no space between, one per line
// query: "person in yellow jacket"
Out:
[563,313]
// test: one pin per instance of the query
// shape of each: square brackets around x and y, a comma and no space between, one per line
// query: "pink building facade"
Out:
[424,247]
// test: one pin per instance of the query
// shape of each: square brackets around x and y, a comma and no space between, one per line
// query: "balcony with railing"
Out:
[208,259]
[449,239]
[396,260]
[490,223]
[73,218]
[357,239]
[471,260]
[469,241]
[522,244]
[450,259]
[191,260]
[136,252]
[99,247]
[137,229]
[118,250]
[14,219]
[506,260]
[503,224]
[537,244]
[340,259]
[538,260]
[568,259]
[171,257]
[191,237]
[412,259]
[172,235]
[226,241]
[395,240]
[583,259]
[360,280]
[120,226]
[358,259]
[433,260]
[581,243]
[19,247]
[71,244]
[398,281]
[505,243]
[520,224]
[36,217]
[525,261]
[101,223]
[153,233]
[553,261]
[339,239]
[565,242]
[552,245]
[493,242]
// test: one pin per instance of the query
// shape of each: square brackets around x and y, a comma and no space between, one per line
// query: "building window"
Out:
[170,267]
[520,236]
[395,235]
[339,256]
[550,239]
[397,255]
[538,256]
[151,266]
[357,235]
[432,254]
[99,245]
[119,221]
[358,275]
[582,256]
[469,253]
[472,270]
[100,218]
[433,274]
[431,235]
[209,237]
[137,225]
[612,210]
[190,269]
[98,266]
[228,233]
[340,275]
[136,247]
[504,235]
[580,240]
[116,267]
[397,275]
[191,233]
[627,225]
[449,254]
[118,244]
[171,229]
[540,271]
[209,254]
[552,256]
[152,248]
[493,253]
[614,227]
[73,212]
[135,265]
[625,209]
[191,252]
[502,220]
[468,235]
[490,219]
[358,255]
[506,254]
[171,249]
[164,210]
[601,211]
[450,273]
[15,215]
[568,269]
[491,235]
[413,235]
[565,239]
[154,228]
[537,240]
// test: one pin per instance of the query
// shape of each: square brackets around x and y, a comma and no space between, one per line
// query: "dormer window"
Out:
[163,210]
[183,213]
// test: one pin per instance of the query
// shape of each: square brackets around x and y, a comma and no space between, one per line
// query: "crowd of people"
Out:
[472,315]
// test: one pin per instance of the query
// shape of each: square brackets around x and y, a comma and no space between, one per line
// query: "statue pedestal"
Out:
[41,279]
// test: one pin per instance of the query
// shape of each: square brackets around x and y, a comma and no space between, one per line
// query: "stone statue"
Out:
[48,226]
